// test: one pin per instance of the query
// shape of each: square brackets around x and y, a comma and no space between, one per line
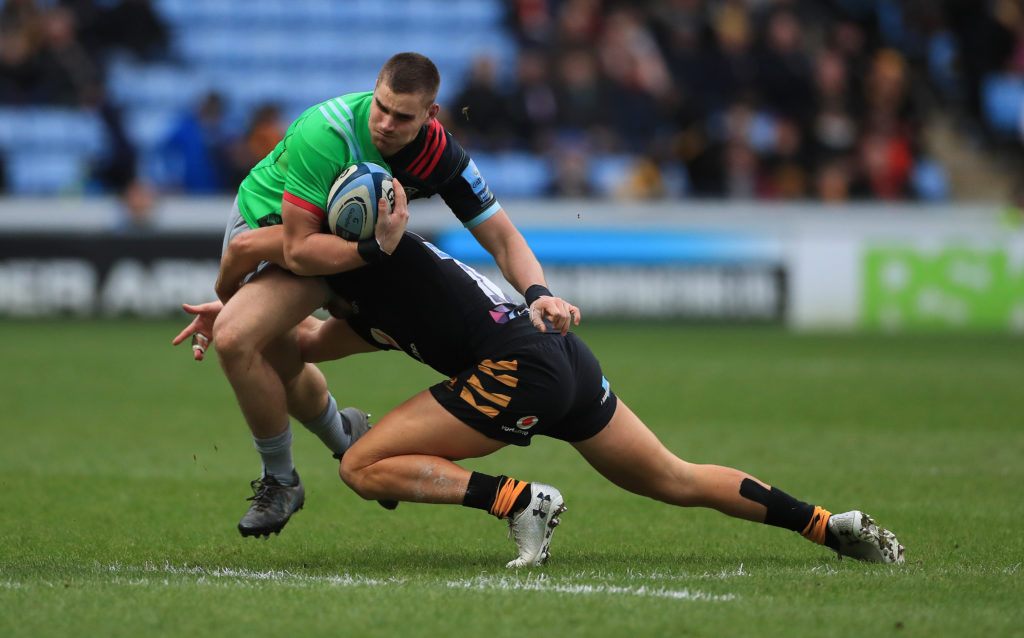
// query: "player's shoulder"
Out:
[432,157]
[333,112]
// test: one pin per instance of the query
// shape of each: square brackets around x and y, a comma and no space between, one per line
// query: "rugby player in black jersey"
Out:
[512,377]
[393,125]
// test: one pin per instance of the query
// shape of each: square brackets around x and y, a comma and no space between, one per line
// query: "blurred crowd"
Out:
[55,53]
[770,99]
[825,100]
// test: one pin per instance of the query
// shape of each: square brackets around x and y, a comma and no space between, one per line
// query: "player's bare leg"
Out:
[308,400]
[408,456]
[627,453]
[304,384]
[263,310]
[330,340]
[258,351]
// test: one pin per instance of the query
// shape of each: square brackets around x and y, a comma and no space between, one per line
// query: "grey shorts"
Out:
[236,226]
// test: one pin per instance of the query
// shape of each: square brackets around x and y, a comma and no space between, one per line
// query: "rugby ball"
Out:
[352,201]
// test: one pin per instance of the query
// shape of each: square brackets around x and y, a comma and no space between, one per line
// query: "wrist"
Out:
[370,251]
[534,292]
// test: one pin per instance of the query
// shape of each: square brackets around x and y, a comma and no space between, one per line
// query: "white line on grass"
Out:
[542,582]
[143,575]
[242,574]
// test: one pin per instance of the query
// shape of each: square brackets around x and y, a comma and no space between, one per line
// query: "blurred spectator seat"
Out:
[608,173]
[48,150]
[1003,102]
[45,172]
[51,128]
[929,181]
[514,174]
[153,85]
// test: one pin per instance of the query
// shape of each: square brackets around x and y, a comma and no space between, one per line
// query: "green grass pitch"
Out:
[124,468]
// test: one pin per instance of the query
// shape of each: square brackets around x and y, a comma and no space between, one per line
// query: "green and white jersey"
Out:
[329,137]
[324,140]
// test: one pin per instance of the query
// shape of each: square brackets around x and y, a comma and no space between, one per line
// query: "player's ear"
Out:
[433,110]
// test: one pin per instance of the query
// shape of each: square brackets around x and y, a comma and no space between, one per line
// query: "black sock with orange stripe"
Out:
[499,495]
[810,521]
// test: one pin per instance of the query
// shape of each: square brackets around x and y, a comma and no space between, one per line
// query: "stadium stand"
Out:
[684,114]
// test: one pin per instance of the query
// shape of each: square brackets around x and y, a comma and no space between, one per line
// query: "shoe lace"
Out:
[512,529]
[260,494]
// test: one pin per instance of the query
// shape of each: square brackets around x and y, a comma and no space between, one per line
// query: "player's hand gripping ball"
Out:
[352,202]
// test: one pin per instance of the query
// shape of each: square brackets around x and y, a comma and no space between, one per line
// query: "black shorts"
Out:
[547,384]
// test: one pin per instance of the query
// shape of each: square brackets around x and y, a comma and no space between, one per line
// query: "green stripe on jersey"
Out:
[324,140]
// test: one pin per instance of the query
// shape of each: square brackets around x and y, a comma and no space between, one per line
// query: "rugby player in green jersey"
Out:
[395,125]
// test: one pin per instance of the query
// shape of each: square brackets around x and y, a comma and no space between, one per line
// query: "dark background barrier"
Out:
[151,274]
[55,274]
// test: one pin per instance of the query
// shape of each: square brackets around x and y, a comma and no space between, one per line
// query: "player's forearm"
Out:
[510,251]
[522,270]
[260,244]
[244,254]
[321,254]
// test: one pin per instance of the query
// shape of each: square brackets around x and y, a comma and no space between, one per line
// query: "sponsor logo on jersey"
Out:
[415,352]
[607,390]
[384,338]
[506,312]
[527,422]
[476,182]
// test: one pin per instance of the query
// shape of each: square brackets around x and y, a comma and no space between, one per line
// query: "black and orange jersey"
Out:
[430,305]
[506,379]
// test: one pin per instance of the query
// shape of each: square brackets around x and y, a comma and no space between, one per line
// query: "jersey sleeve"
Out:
[466,192]
[310,173]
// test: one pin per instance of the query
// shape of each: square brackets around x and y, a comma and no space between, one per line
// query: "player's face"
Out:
[396,118]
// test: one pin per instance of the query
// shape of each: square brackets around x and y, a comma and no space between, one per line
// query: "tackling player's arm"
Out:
[455,176]
[499,236]
[308,251]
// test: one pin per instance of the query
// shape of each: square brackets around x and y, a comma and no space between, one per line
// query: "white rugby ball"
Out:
[352,201]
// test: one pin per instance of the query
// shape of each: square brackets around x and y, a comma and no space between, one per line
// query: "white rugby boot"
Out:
[532,527]
[861,538]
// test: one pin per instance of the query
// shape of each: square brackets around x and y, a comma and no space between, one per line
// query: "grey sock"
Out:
[330,427]
[276,453]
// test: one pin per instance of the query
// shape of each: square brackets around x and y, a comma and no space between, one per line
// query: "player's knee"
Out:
[231,343]
[355,474]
